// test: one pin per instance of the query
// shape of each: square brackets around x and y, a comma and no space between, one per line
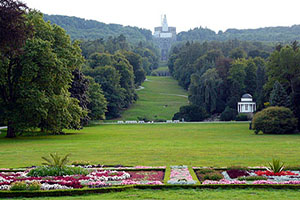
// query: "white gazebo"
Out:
[246,105]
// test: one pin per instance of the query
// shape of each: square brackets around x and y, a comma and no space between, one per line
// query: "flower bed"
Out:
[95,179]
[180,175]
[246,176]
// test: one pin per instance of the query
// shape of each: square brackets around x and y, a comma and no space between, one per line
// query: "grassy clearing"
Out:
[163,68]
[161,98]
[156,144]
[191,194]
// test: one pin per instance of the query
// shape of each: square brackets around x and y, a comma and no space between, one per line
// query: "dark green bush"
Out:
[228,114]
[190,113]
[241,117]
[56,171]
[216,176]
[276,120]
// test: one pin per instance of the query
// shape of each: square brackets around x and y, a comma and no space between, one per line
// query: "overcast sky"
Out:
[183,14]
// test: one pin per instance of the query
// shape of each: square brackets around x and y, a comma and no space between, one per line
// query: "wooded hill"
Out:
[79,28]
[267,34]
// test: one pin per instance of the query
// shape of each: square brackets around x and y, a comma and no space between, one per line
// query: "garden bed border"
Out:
[75,192]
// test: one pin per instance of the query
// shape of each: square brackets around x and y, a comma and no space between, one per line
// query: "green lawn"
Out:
[156,144]
[220,144]
[191,194]
[161,98]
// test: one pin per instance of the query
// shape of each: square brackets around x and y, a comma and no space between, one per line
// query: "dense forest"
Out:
[217,74]
[79,28]
[267,34]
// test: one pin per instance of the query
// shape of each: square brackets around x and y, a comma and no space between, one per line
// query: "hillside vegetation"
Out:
[267,34]
[160,98]
[79,28]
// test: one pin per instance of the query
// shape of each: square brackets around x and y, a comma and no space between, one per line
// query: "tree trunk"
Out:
[10,130]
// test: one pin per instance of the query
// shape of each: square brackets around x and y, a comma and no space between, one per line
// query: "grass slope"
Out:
[204,144]
[161,98]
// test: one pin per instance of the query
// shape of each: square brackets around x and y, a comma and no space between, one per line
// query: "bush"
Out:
[276,120]
[56,171]
[18,186]
[241,117]
[205,171]
[190,113]
[81,162]
[228,114]
[216,176]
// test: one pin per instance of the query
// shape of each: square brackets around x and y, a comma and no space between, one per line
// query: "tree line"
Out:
[47,83]
[217,74]
[267,34]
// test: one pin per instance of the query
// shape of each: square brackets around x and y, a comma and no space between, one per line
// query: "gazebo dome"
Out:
[247,96]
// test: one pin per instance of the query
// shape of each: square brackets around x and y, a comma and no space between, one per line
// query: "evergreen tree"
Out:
[279,96]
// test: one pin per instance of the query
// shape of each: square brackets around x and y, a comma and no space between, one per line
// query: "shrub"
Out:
[241,117]
[34,186]
[276,166]
[205,171]
[276,120]
[228,114]
[22,185]
[57,171]
[252,178]
[56,161]
[216,176]
[190,113]
[81,162]
[19,185]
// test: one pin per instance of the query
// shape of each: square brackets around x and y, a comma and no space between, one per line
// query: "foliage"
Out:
[81,162]
[190,113]
[22,185]
[276,166]
[18,186]
[284,68]
[35,84]
[241,117]
[252,178]
[205,171]
[267,34]
[237,167]
[79,90]
[97,103]
[228,114]
[80,28]
[278,96]
[213,176]
[56,171]
[204,90]
[276,120]
[56,161]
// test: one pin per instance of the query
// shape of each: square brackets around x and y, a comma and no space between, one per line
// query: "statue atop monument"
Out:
[164,24]
[164,36]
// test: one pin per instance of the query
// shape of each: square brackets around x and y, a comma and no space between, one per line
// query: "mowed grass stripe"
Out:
[203,144]
[158,100]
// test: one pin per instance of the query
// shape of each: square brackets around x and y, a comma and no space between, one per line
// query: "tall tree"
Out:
[79,90]
[34,83]
[279,97]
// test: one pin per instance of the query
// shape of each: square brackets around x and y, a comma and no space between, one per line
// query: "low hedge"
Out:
[72,192]
[76,192]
